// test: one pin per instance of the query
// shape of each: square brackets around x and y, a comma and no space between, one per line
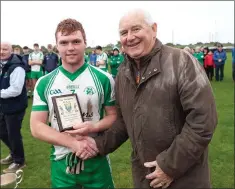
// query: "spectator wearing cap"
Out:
[51,60]
[219,59]
[102,59]
[115,61]
[199,55]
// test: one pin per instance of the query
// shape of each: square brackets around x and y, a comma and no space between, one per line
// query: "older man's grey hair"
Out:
[147,16]
[7,43]
[188,49]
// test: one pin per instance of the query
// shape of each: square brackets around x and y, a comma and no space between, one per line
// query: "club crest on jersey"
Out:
[89,91]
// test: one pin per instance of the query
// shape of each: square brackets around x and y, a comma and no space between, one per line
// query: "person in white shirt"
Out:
[13,103]
[35,60]
[102,59]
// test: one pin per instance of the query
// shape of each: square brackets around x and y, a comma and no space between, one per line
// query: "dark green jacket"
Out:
[115,62]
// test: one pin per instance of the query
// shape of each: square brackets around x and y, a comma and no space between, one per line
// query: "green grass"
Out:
[221,151]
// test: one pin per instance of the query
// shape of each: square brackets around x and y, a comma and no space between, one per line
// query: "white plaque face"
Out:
[67,110]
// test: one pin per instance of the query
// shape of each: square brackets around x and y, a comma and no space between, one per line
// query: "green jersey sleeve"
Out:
[109,94]
[39,99]
[41,56]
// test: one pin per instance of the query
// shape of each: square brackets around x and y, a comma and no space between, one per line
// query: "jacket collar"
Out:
[151,61]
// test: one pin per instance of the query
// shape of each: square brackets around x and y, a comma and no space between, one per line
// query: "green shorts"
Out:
[36,75]
[28,75]
[96,174]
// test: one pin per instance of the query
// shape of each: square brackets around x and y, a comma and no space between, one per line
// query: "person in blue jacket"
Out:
[219,59]
[233,62]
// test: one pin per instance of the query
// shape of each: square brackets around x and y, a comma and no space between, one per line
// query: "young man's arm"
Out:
[102,125]
[110,112]
[44,132]
[37,62]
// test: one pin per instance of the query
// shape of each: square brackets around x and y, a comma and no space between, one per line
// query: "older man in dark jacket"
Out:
[13,102]
[165,107]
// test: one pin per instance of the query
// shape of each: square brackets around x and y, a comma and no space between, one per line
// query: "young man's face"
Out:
[97,51]
[220,48]
[50,49]
[115,52]
[25,51]
[36,48]
[71,47]
[17,51]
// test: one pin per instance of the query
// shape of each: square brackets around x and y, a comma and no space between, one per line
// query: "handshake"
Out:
[84,146]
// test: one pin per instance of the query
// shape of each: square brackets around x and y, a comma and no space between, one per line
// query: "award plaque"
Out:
[68,111]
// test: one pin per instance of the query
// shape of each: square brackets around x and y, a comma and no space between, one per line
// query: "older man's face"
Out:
[6,51]
[136,36]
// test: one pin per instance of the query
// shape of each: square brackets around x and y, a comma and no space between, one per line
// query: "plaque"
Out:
[68,111]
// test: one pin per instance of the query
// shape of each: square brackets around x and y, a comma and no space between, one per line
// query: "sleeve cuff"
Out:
[110,103]
[40,108]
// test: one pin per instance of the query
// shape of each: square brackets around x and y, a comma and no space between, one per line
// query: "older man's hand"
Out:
[158,177]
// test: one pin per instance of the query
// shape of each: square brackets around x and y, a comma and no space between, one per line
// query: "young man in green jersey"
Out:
[95,91]
[35,61]
[102,59]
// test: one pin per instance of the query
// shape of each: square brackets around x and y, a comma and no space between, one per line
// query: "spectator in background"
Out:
[209,65]
[86,58]
[188,50]
[199,55]
[102,59]
[202,49]
[193,51]
[233,62]
[115,61]
[13,101]
[51,60]
[35,60]
[16,51]
[25,59]
[219,59]
[93,57]
[205,52]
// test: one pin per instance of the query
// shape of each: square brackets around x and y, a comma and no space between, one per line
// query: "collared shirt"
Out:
[17,79]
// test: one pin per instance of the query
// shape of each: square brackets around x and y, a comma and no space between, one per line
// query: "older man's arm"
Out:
[201,119]
[115,136]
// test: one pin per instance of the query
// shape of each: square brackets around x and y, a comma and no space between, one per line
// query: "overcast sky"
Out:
[28,22]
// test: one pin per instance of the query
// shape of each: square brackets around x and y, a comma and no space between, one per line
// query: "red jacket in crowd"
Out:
[209,61]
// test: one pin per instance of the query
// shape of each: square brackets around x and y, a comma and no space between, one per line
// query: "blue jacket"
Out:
[25,59]
[219,55]
[93,58]
[50,62]
[233,55]
[13,104]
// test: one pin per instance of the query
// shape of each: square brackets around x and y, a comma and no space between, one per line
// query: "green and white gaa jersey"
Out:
[104,57]
[36,56]
[94,88]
